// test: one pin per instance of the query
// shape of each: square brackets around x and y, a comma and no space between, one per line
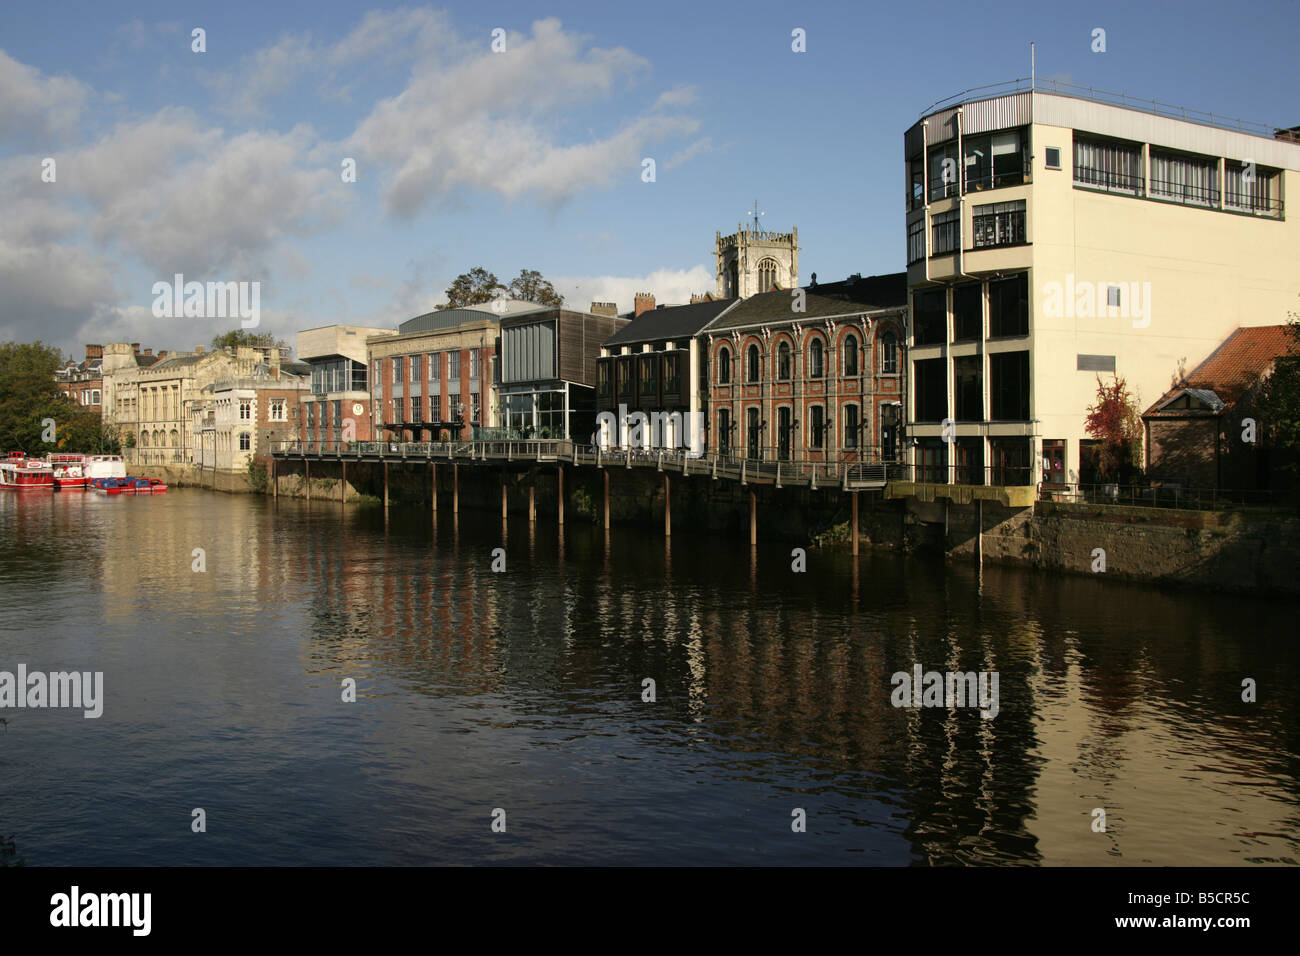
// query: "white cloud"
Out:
[35,107]
[670,286]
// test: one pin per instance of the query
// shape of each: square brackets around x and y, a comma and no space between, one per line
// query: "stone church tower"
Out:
[750,261]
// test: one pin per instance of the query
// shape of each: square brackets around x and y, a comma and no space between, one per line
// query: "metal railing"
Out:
[1003,476]
[1164,496]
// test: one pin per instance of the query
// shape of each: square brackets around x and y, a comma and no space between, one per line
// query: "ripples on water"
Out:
[522,690]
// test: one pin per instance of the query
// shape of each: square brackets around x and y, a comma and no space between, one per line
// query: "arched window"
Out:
[889,353]
[175,437]
[724,366]
[783,361]
[850,355]
[816,359]
[767,275]
[753,363]
[724,431]
[144,439]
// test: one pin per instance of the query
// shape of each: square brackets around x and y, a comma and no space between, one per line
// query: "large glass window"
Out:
[943,171]
[816,359]
[724,431]
[817,427]
[1184,178]
[753,363]
[931,387]
[916,240]
[968,382]
[994,161]
[415,368]
[851,426]
[999,224]
[415,408]
[916,183]
[1009,306]
[945,232]
[435,367]
[672,362]
[1252,189]
[473,363]
[929,317]
[850,364]
[724,366]
[1109,165]
[889,354]
[602,377]
[1009,385]
[453,366]
[398,370]
[968,311]
[783,360]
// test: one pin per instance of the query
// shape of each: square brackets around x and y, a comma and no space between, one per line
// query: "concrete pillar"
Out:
[668,506]
[855,524]
[532,502]
[753,517]
[455,489]
[605,472]
[559,471]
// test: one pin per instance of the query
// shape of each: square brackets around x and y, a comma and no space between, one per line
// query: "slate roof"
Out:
[771,307]
[671,322]
[1229,371]
[883,292]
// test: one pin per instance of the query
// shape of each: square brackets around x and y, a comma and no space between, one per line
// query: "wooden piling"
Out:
[668,507]
[455,489]
[559,470]
[532,503]
[855,524]
[605,472]
[385,486]
[307,464]
[753,518]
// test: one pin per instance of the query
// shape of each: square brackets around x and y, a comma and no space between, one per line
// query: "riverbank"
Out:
[1251,552]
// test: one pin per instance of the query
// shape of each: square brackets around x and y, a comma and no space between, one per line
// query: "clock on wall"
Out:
[357,408]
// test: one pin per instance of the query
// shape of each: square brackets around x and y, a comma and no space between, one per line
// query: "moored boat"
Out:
[20,473]
[69,472]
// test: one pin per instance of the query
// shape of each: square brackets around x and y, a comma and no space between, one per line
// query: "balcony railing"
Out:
[1164,495]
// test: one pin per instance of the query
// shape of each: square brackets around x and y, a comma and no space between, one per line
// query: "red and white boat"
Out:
[69,472]
[26,474]
[103,466]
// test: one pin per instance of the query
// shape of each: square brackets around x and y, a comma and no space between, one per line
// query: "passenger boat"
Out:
[103,466]
[26,474]
[69,472]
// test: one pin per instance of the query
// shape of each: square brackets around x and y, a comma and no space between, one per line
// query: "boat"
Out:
[103,466]
[20,473]
[69,472]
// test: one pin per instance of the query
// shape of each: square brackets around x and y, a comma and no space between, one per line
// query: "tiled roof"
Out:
[1231,369]
[672,322]
[767,307]
[882,292]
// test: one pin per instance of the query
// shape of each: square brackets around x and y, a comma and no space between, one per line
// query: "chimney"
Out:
[645,301]
[94,352]
[275,362]
[604,308]
[162,354]
[135,347]
[198,350]
[698,297]
[148,351]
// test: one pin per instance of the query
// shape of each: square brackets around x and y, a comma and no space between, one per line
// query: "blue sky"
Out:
[225,165]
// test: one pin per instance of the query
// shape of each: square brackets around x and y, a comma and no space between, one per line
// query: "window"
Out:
[245,411]
[968,381]
[435,367]
[1009,306]
[850,363]
[453,366]
[415,408]
[602,377]
[968,311]
[474,407]
[399,374]
[473,363]
[945,233]
[1252,189]
[753,363]
[916,240]
[929,317]
[889,354]
[767,275]
[1112,296]
[245,441]
[783,361]
[1094,363]
[916,187]
[453,407]
[1108,165]
[993,161]
[931,389]
[1052,157]
[415,368]
[625,376]
[724,431]
[851,426]
[816,359]
[278,411]
[311,413]
[817,427]
[943,171]
[1184,178]
[648,376]
[999,224]
[1009,385]
[724,366]
[338,412]
[671,372]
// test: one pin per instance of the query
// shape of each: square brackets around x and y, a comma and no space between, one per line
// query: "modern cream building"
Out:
[1053,238]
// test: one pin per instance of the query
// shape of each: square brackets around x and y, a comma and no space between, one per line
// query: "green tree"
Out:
[1116,423]
[531,287]
[1278,404]
[29,398]
[473,288]
[242,337]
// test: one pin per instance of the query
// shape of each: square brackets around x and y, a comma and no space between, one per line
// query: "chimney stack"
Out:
[645,302]
[135,347]
[148,351]
[275,362]
[604,308]
[198,350]
[94,352]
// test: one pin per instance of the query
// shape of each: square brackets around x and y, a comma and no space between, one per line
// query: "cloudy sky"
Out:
[226,165]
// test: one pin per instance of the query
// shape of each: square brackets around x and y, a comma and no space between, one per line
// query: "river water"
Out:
[522,691]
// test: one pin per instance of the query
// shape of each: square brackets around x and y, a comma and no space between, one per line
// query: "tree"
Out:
[1115,422]
[242,337]
[29,396]
[1278,404]
[531,287]
[473,288]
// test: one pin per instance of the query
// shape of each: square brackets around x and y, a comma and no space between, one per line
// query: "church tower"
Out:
[751,260]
